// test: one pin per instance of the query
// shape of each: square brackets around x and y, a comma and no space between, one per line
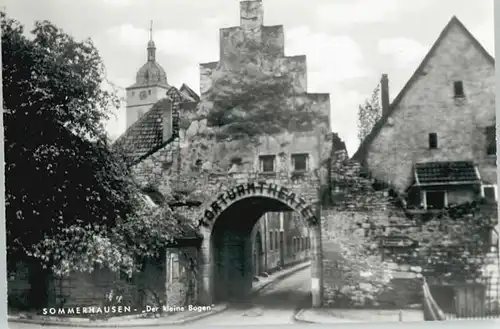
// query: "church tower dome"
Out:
[151,73]
[149,87]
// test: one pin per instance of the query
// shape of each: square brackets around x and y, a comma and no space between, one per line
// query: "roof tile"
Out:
[446,172]
[145,136]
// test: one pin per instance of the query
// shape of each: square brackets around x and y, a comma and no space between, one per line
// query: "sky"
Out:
[348,43]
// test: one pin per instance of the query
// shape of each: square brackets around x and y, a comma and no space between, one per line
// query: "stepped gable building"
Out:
[175,153]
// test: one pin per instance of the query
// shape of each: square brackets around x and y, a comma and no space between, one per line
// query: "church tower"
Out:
[150,85]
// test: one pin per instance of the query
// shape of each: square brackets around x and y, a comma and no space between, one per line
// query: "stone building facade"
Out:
[435,144]
[443,120]
[175,151]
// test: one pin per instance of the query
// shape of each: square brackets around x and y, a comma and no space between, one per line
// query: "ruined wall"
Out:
[430,106]
[370,214]
[373,214]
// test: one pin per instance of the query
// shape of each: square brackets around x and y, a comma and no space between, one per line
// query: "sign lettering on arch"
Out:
[262,189]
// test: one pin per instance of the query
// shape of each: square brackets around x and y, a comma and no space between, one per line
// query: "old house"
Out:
[435,143]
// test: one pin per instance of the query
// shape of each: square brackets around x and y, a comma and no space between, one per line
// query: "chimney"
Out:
[384,93]
[251,13]
[167,119]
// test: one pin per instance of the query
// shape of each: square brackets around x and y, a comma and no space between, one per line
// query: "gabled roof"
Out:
[145,136]
[362,151]
[185,89]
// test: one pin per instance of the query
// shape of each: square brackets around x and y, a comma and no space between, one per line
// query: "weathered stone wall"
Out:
[154,284]
[370,214]
[356,202]
[18,286]
[430,106]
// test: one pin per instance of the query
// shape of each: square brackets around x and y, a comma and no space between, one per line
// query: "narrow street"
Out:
[275,304]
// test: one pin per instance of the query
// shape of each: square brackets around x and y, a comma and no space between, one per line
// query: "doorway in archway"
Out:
[235,255]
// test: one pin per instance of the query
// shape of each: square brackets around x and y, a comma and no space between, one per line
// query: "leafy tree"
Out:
[70,201]
[368,114]
[252,93]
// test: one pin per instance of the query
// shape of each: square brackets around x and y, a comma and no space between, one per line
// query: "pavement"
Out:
[276,303]
[176,319]
[329,316]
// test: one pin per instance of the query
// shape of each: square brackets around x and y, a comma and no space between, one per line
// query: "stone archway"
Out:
[226,224]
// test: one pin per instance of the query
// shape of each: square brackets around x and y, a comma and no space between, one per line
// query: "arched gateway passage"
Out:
[226,253]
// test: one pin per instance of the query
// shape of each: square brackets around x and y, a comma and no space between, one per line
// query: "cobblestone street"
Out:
[275,304]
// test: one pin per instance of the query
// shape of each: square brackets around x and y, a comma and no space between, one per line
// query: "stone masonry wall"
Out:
[430,106]
[355,201]
[357,204]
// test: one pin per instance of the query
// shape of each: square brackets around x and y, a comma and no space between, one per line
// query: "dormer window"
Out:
[300,162]
[267,163]
[458,88]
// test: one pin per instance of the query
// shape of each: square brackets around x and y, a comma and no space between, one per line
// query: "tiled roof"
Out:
[187,91]
[362,151]
[446,172]
[145,136]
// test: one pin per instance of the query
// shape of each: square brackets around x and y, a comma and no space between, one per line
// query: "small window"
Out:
[236,161]
[267,163]
[491,141]
[133,93]
[149,92]
[489,193]
[435,199]
[458,88]
[433,140]
[299,162]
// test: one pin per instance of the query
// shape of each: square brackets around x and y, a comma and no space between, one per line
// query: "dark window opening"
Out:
[489,193]
[299,162]
[149,91]
[433,140]
[236,161]
[267,163]
[458,88]
[491,141]
[271,241]
[436,199]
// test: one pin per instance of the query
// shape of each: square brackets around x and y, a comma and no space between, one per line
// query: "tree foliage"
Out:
[254,93]
[368,114]
[70,200]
